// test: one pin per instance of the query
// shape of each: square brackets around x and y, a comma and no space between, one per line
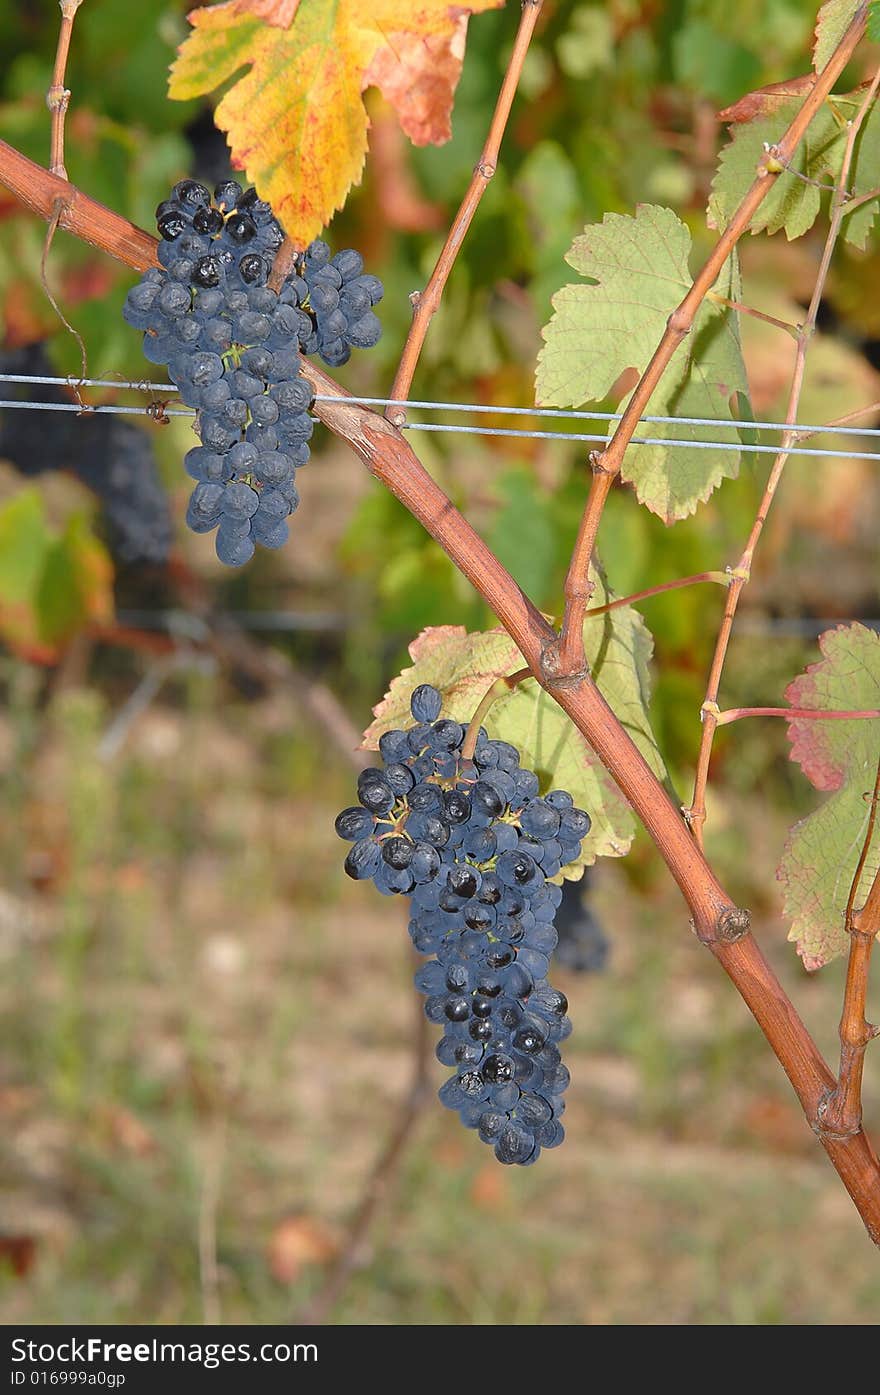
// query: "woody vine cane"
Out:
[554,658]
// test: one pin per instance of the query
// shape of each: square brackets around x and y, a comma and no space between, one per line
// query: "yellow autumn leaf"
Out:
[295,118]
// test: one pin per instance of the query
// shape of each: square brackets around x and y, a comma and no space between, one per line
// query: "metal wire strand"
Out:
[473,407]
[740,446]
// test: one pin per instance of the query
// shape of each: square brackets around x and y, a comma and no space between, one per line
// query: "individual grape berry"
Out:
[190,193]
[227,194]
[207,221]
[171,224]
[349,263]
[240,227]
[233,549]
[253,269]
[365,332]
[207,272]
[425,703]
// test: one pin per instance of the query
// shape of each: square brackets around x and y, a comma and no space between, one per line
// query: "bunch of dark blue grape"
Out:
[473,844]
[232,347]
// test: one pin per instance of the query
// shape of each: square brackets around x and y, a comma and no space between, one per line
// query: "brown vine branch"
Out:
[38,189]
[840,1113]
[800,714]
[58,96]
[569,655]
[718,922]
[425,302]
[696,814]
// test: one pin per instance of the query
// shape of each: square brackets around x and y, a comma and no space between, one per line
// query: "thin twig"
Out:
[58,96]
[696,813]
[870,407]
[499,689]
[425,302]
[379,1183]
[720,579]
[854,203]
[742,309]
[794,714]
[52,228]
[567,658]
[841,1112]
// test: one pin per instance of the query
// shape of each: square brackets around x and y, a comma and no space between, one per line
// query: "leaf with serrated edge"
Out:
[793,205]
[823,850]
[618,648]
[296,120]
[597,332]
[832,22]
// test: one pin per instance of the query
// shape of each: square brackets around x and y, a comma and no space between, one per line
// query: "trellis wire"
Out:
[472,430]
[741,446]
[476,407]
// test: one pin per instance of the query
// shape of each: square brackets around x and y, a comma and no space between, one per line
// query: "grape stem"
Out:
[720,925]
[499,689]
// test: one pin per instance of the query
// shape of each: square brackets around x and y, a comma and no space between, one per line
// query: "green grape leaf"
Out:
[823,850]
[463,666]
[873,28]
[791,204]
[760,119]
[638,273]
[51,585]
[832,21]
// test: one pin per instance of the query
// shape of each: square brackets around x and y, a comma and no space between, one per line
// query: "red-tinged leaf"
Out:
[823,850]
[765,99]
[280,13]
[296,120]
[419,78]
